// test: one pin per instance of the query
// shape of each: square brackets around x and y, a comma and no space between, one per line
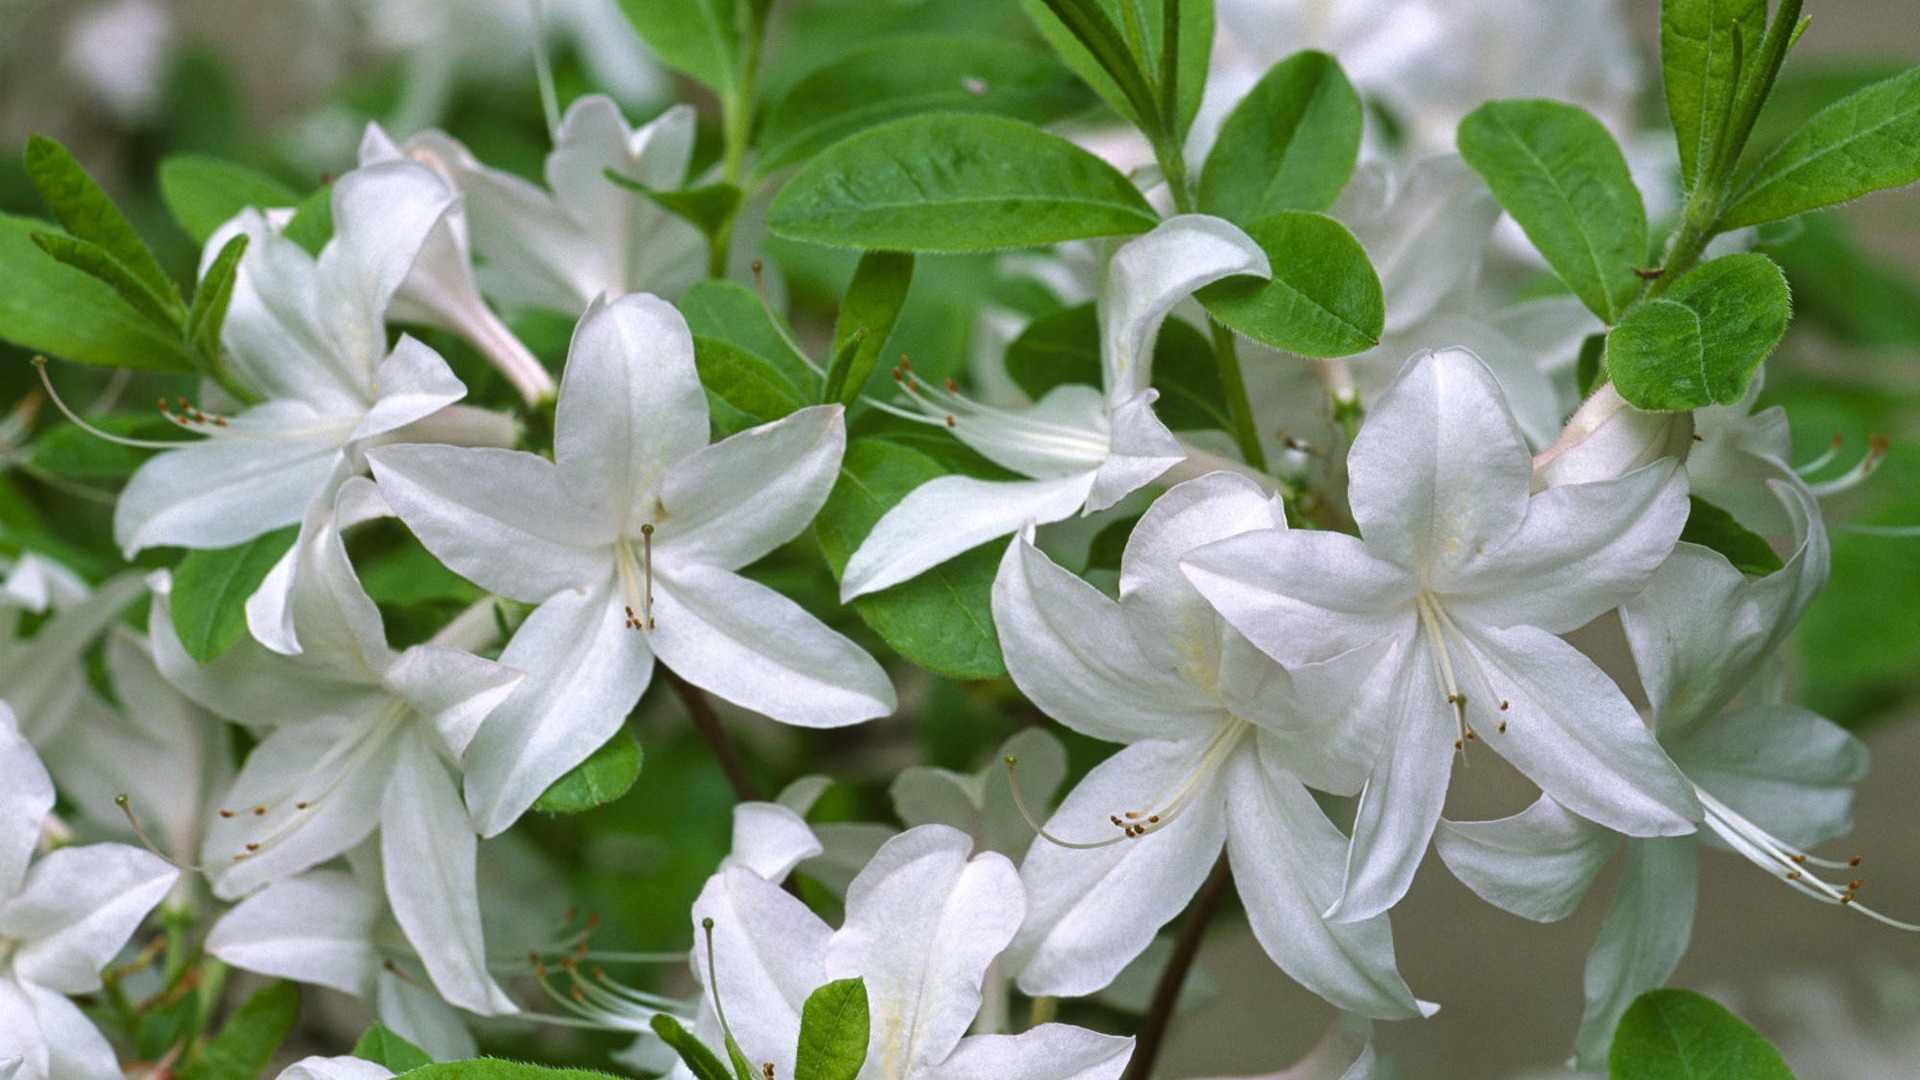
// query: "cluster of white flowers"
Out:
[1255,670]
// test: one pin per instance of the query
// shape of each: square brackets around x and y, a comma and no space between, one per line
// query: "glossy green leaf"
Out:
[1056,349]
[909,76]
[1697,50]
[1290,144]
[1711,527]
[312,223]
[700,1060]
[211,299]
[700,38]
[874,298]
[67,451]
[47,306]
[746,388]
[247,1041]
[735,314]
[383,1047]
[1562,177]
[941,620]
[1865,142]
[1064,347]
[97,263]
[86,212]
[949,182]
[606,775]
[210,590]
[1324,299]
[1698,343]
[1681,1035]
[833,1032]
[203,193]
[1095,38]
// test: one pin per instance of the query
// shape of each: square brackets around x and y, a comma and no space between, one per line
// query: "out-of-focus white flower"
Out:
[118,53]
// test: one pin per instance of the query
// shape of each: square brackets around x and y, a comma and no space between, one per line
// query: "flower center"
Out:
[635,563]
[1439,626]
[1165,807]
[282,817]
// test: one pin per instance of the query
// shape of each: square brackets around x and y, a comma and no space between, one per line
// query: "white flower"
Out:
[630,542]
[62,919]
[1221,742]
[1470,578]
[1082,448]
[335,1068]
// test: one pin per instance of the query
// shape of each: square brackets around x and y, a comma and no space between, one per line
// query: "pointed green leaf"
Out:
[203,193]
[1290,144]
[211,299]
[910,76]
[700,38]
[833,1032]
[1324,299]
[735,314]
[1562,177]
[246,1042]
[1699,342]
[874,298]
[95,262]
[1711,527]
[1087,36]
[709,208]
[1697,65]
[1865,142]
[941,620]
[312,224]
[748,389]
[606,775]
[699,1059]
[383,1047]
[47,306]
[1681,1035]
[210,590]
[948,182]
[86,212]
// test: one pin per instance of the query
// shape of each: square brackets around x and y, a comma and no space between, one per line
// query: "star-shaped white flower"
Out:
[62,919]
[1221,744]
[1082,448]
[1470,578]
[630,541]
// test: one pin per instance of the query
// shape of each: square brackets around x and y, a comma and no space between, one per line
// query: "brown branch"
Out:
[707,722]
[1166,992]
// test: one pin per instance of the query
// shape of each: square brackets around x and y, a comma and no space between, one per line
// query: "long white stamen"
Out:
[1785,862]
[1854,477]
[1443,664]
[1825,459]
[636,579]
[543,69]
[40,365]
[1134,824]
[356,752]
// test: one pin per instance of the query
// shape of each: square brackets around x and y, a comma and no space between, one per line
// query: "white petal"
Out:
[382,216]
[1536,864]
[533,253]
[414,1012]
[1073,943]
[23,1048]
[630,406]
[951,514]
[317,928]
[923,923]
[412,383]
[334,617]
[1140,451]
[452,690]
[78,907]
[769,953]
[731,503]
[1075,654]
[770,839]
[223,492]
[756,648]
[281,340]
[75,1048]
[427,847]
[1303,595]
[1786,769]
[1190,515]
[1062,434]
[1428,242]
[270,609]
[1439,470]
[496,517]
[1324,720]
[335,1068]
[26,797]
[585,671]
[1287,866]
[1149,274]
[1572,731]
[1045,1052]
[1642,940]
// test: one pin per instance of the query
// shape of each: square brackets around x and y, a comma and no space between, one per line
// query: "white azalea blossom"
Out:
[1221,745]
[1083,449]
[63,917]
[1469,578]
[630,541]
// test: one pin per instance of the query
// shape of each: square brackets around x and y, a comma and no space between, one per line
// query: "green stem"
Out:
[736,124]
[1233,386]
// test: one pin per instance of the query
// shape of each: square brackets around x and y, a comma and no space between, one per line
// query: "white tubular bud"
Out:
[1608,438]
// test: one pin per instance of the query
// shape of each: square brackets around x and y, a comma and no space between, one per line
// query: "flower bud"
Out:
[1608,438]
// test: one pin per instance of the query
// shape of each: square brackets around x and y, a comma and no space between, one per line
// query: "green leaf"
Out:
[312,224]
[833,1032]
[1324,299]
[95,262]
[66,450]
[749,389]
[495,1069]
[1563,178]
[1681,1035]
[606,775]
[1186,371]
[166,1026]
[383,1047]
[910,76]
[1711,527]
[941,620]
[874,298]
[735,314]
[949,182]
[1092,37]
[203,193]
[1698,343]
[47,306]
[709,209]
[1290,144]
[700,38]
[210,300]
[248,1039]
[1587,373]
[86,212]
[210,590]
[1862,143]
[1064,347]
[1697,65]
[699,1059]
